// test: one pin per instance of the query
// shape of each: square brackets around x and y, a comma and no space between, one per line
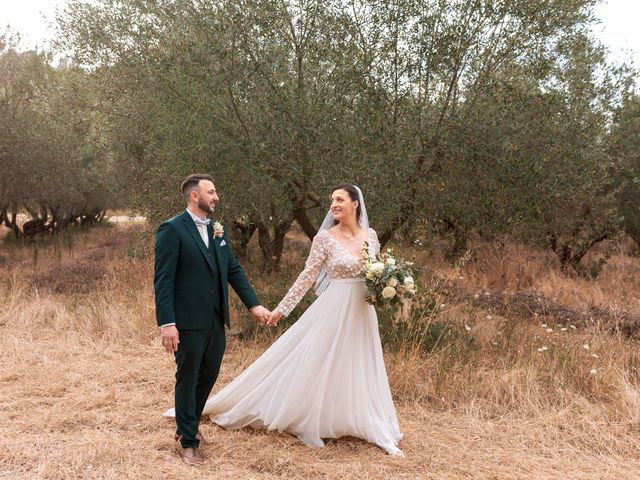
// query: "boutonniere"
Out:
[218,229]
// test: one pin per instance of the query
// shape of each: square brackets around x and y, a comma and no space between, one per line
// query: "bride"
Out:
[325,376]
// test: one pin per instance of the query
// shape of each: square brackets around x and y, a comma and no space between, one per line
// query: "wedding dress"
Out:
[325,376]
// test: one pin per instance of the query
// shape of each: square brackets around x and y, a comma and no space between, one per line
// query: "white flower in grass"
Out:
[549,330]
[388,292]
[467,328]
[586,346]
[593,371]
[543,349]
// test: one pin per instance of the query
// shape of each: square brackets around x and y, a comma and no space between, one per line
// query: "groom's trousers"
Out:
[198,362]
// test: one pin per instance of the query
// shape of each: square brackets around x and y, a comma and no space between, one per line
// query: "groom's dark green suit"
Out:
[191,290]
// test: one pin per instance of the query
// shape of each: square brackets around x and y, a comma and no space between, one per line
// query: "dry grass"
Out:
[83,381]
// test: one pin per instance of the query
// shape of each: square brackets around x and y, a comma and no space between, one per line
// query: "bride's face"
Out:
[342,206]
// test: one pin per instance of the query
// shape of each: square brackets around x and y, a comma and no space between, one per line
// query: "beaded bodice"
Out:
[327,251]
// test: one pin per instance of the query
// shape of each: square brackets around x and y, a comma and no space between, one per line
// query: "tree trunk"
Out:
[281,229]
[266,247]
[246,229]
[570,255]
[300,216]
[12,222]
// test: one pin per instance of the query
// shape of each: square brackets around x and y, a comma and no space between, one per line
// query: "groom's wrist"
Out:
[167,325]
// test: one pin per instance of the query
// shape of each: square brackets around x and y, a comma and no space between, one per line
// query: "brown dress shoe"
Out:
[191,456]
[199,437]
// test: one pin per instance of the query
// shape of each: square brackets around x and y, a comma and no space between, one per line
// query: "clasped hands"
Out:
[265,317]
[170,337]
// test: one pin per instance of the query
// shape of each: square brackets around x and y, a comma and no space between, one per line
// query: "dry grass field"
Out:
[540,379]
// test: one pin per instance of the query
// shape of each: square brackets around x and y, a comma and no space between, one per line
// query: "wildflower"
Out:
[543,349]
[549,330]
[489,317]
[544,325]
[593,371]
[467,328]
[586,346]
[563,329]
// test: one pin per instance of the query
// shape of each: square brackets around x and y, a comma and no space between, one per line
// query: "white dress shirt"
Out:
[202,229]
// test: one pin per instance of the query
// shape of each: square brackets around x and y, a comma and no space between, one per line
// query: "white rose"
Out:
[377,268]
[408,281]
[390,261]
[388,292]
[393,282]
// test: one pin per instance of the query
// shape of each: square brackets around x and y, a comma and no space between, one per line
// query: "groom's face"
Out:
[207,196]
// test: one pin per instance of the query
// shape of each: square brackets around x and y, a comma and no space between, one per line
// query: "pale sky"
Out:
[619,30]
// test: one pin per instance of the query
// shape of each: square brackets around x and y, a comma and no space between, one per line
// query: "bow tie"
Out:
[204,222]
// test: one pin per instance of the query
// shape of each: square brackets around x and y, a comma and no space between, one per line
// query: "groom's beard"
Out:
[205,207]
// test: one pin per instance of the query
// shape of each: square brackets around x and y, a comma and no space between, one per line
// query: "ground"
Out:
[83,381]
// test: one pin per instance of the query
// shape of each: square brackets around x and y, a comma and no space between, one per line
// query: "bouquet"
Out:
[389,281]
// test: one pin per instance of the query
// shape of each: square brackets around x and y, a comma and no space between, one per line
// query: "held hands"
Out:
[265,317]
[169,338]
[260,314]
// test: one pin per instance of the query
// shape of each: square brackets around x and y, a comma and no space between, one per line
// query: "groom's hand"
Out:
[169,338]
[260,314]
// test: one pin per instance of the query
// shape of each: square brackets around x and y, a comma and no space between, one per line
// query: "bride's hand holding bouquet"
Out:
[390,281]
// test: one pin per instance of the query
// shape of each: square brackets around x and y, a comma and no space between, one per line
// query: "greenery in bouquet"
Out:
[390,281]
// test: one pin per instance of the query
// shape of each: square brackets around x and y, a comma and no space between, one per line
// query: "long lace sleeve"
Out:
[374,244]
[317,257]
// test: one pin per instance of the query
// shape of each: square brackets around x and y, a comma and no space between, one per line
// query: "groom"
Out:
[193,267]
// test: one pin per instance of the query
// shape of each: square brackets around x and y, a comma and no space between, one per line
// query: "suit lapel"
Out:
[193,230]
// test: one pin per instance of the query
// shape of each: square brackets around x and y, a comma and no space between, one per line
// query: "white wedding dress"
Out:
[325,376]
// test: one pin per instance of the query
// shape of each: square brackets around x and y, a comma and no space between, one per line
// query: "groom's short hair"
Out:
[191,183]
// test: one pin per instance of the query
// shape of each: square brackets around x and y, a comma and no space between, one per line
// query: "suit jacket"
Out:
[189,278]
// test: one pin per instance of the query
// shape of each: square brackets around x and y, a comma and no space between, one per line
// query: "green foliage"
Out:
[481,118]
[625,154]
[53,166]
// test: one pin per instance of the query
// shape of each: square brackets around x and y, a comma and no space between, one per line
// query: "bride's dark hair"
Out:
[353,195]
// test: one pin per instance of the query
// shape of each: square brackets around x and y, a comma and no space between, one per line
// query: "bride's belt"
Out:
[347,280]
